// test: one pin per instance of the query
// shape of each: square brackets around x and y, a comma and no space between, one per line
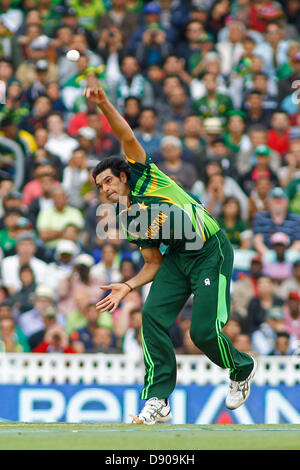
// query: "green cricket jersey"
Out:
[162,212]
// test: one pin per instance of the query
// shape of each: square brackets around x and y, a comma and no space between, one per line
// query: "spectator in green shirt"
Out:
[8,235]
[51,222]
[88,12]
[12,339]
[293,192]
[213,103]
[50,16]
[232,224]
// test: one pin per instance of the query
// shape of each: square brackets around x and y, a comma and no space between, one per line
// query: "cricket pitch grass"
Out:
[94,436]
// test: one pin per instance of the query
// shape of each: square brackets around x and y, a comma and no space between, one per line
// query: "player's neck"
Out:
[124,202]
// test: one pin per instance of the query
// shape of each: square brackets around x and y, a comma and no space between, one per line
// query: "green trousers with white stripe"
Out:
[206,274]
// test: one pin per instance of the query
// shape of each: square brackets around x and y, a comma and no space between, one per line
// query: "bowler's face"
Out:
[111,186]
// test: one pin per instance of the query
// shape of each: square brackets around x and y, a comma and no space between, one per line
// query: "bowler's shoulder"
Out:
[138,164]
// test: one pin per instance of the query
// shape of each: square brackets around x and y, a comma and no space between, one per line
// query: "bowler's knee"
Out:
[202,336]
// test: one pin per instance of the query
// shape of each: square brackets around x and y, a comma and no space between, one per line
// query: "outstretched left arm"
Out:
[153,259]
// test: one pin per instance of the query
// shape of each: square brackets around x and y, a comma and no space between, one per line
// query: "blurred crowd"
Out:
[212,91]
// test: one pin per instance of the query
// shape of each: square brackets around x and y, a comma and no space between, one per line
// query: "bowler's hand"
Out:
[113,299]
[95,95]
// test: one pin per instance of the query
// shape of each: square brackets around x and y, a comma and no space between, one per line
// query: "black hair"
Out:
[277,23]
[7,61]
[218,140]
[55,113]
[282,334]
[129,56]
[116,164]
[42,163]
[257,128]
[79,148]
[208,162]
[192,21]
[173,75]
[43,95]
[13,210]
[8,121]
[132,97]
[26,267]
[249,38]
[149,108]
[32,9]
[227,200]
[255,92]
[261,73]
[5,302]
[128,260]
[62,26]
[192,114]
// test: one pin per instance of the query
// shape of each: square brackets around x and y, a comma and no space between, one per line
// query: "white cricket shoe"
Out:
[240,391]
[154,411]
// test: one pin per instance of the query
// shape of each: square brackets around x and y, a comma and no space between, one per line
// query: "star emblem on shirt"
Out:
[142,206]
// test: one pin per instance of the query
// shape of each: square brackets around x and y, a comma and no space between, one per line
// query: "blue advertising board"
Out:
[190,404]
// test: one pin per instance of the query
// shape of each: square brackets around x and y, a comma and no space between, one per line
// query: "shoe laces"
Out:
[152,408]
[241,386]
